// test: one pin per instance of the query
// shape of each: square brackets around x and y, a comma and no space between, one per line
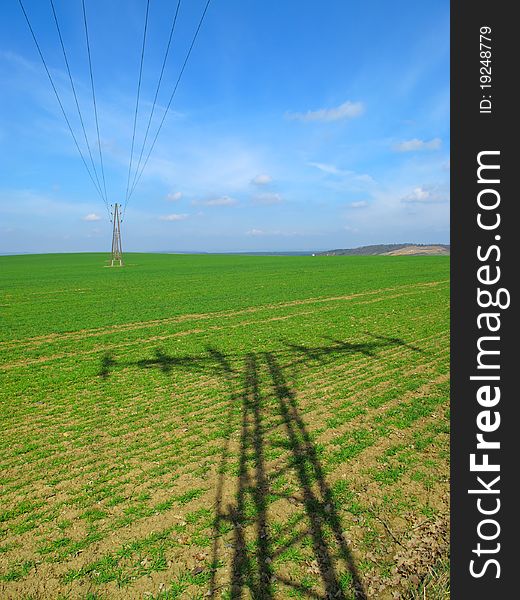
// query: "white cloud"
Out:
[351,178]
[222,201]
[174,196]
[268,198]
[274,233]
[92,217]
[364,178]
[420,195]
[416,145]
[173,217]
[262,179]
[347,110]
[333,170]
[358,204]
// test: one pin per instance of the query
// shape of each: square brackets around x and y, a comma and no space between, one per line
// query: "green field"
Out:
[223,426]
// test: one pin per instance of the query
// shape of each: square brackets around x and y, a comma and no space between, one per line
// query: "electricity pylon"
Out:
[117,251]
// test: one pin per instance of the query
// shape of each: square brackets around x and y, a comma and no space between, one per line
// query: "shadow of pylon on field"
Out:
[107,362]
[248,571]
[295,354]
[254,403]
[320,509]
[253,573]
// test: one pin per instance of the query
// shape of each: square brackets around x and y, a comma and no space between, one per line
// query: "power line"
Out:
[171,98]
[137,101]
[94,98]
[77,101]
[58,97]
[156,95]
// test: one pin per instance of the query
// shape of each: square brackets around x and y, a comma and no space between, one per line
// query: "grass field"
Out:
[223,427]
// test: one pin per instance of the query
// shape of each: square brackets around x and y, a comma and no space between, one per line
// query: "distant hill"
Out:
[392,250]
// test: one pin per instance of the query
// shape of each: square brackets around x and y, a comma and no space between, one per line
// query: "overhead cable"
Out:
[94,98]
[77,101]
[171,98]
[137,100]
[172,29]
[59,99]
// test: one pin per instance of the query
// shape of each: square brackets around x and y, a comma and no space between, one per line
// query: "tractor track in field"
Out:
[143,342]
[147,340]
[134,326]
[151,339]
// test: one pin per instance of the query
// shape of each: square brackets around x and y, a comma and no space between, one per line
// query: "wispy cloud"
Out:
[347,110]
[173,217]
[331,169]
[222,201]
[262,179]
[421,195]
[174,196]
[262,233]
[92,217]
[350,176]
[358,204]
[267,198]
[417,145]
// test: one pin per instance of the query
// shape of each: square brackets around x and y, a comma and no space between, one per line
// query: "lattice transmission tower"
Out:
[117,251]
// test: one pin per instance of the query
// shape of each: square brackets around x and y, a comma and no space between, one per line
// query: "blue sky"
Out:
[297,125]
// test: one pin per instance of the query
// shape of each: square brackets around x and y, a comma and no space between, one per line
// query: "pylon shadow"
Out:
[253,485]
[253,558]
[254,402]
[107,362]
[319,503]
